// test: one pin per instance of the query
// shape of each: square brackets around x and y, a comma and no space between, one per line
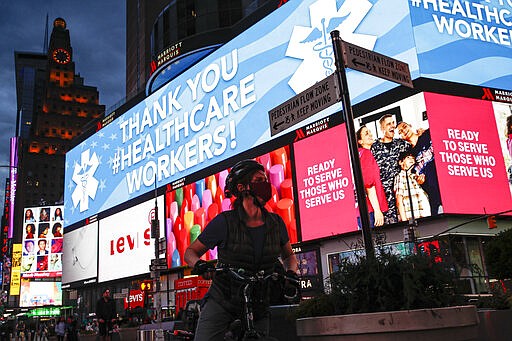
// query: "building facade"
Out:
[164,38]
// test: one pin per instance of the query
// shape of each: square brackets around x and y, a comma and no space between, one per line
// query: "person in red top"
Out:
[375,195]
[30,228]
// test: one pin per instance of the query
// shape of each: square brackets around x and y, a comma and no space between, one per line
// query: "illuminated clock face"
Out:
[61,56]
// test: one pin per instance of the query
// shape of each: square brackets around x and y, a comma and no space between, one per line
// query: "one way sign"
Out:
[314,99]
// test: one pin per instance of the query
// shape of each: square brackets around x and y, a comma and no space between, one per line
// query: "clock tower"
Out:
[67,106]
[60,55]
[60,50]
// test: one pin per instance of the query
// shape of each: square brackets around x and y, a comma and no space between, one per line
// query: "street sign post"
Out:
[348,116]
[157,267]
[162,247]
[159,262]
[314,99]
[376,64]
[119,295]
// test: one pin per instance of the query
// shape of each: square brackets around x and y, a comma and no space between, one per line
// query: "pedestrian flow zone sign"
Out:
[376,64]
[314,99]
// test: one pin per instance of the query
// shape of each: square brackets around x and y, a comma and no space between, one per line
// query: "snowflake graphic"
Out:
[313,44]
[83,176]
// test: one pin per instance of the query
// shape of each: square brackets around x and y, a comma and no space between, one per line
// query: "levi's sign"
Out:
[314,99]
[376,64]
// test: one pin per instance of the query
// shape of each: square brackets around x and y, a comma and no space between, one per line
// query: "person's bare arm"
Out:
[372,196]
[194,252]
[288,258]
[401,208]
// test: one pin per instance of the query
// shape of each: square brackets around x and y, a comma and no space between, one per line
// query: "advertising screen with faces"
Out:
[42,242]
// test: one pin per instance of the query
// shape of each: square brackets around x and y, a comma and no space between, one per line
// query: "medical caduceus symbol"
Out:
[83,176]
[312,44]
[324,47]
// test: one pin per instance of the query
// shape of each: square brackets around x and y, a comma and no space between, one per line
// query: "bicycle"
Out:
[243,327]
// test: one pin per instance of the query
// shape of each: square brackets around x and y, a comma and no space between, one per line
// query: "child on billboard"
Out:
[408,191]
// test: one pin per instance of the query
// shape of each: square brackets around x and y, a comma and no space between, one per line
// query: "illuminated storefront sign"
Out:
[13,178]
[15,270]
[169,53]
[125,245]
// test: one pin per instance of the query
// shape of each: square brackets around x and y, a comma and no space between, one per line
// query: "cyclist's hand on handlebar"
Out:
[203,268]
[291,284]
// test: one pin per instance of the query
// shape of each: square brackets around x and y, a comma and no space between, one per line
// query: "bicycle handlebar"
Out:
[239,273]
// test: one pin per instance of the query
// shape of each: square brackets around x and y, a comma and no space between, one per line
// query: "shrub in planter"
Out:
[498,259]
[387,282]
[498,255]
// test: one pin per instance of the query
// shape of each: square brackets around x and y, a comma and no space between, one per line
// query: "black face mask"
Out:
[262,190]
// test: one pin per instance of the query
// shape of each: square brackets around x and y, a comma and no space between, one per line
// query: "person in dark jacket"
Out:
[247,237]
[106,314]
[72,328]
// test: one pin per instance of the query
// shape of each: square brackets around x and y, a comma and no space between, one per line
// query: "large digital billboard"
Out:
[42,240]
[503,114]
[80,261]
[325,186]
[218,108]
[125,246]
[40,293]
[472,174]
[460,148]
[467,42]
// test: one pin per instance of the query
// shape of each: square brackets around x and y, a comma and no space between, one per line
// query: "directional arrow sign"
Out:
[159,261]
[373,63]
[118,295]
[316,98]
[159,267]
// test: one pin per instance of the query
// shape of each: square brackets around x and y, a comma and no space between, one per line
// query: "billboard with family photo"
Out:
[422,156]
[460,152]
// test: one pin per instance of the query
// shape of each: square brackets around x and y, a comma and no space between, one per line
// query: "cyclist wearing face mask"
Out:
[248,237]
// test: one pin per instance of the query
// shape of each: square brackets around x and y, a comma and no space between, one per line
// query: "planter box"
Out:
[452,324]
[495,325]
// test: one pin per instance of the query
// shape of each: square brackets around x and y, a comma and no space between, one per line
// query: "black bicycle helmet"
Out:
[239,175]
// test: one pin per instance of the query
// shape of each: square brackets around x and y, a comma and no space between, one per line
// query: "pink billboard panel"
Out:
[325,187]
[470,166]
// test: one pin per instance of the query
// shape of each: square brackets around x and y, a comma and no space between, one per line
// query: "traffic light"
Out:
[146,285]
[491,222]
